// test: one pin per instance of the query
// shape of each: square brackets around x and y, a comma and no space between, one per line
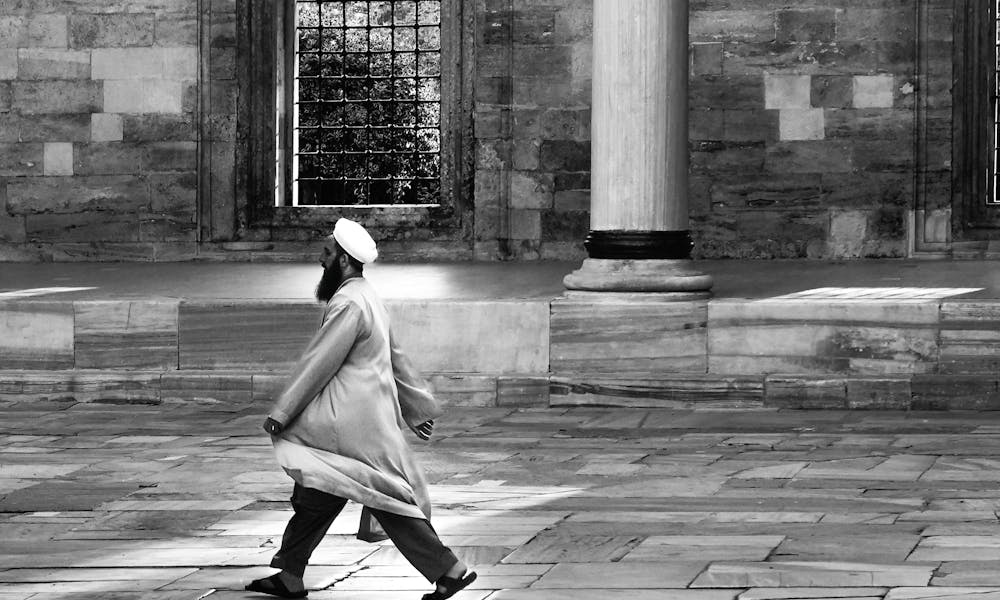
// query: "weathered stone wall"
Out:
[803,124]
[532,126]
[97,128]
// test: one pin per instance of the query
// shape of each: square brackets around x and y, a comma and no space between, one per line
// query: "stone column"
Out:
[639,239]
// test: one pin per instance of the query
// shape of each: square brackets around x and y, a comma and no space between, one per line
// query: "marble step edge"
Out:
[977,391]
[126,386]
[675,390]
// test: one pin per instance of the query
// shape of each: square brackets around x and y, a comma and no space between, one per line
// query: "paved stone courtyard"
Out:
[185,501]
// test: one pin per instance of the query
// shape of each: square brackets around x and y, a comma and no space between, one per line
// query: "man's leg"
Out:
[315,511]
[420,545]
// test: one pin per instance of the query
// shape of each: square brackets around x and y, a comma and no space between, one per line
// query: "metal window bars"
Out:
[993,181]
[367,92]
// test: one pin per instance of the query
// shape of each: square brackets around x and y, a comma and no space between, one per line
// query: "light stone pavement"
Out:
[185,501]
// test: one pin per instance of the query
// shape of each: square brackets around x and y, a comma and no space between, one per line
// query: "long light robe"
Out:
[346,405]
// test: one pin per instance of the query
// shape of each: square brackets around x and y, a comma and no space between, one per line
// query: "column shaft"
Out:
[640,116]
[639,239]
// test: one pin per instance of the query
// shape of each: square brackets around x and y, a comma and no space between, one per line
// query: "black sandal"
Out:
[273,586]
[451,586]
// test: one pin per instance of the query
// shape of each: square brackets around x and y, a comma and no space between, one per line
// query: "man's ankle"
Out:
[292,582]
[457,570]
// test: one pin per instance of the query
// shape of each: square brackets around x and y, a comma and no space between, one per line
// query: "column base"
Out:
[624,275]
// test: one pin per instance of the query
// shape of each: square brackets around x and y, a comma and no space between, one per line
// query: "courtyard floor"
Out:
[185,501]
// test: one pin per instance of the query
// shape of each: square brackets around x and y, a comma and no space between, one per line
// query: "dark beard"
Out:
[327,287]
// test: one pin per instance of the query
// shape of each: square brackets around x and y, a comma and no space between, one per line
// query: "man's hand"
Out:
[273,427]
[424,430]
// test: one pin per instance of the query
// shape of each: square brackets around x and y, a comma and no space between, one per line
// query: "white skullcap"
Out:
[353,238]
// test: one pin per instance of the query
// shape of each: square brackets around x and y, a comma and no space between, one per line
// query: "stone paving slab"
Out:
[124,503]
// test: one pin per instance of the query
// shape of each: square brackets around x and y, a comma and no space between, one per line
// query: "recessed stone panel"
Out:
[126,334]
[628,333]
[36,335]
[823,335]
[470,336]
[264,335]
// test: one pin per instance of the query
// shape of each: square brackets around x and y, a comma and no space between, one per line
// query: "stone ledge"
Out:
[241,387]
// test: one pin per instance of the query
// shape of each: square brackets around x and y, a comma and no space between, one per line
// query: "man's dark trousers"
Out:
[315,511]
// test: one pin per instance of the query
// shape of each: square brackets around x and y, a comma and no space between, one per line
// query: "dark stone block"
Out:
[706,58]
[68,96]
[705,124]
[565,124]
[805,393]
[110,30]
[21,159]
[572,181]
[871,124]
[832,91]
[863,190]
[171,156]
[495,27]
[168,228]
[736,91]
[83,227]
[564,155]
[878,394]
[106,158]
[846,57]
[550,62]
[943,392]
[727,157]
[534,26]
[888,222]
[525,123]
[778,191]
[810,25]
[755,125]
[176,30]
[54,128]
[881,24]
[563,226]
[6,96]
[161,127]
[78,194]
[826,156]
[883,156]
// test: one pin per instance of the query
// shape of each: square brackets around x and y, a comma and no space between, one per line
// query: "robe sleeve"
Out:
[416,400]
[321,360]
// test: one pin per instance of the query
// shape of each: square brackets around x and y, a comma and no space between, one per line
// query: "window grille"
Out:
[994,173]
[367,94]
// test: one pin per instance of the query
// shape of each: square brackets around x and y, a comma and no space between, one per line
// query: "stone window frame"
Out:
[262,59]
[974,55]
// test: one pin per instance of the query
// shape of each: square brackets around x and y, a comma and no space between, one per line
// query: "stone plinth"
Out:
[665,276]
[623,333]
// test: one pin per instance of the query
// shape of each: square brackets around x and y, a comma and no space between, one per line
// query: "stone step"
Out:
[239,387]
[764,392]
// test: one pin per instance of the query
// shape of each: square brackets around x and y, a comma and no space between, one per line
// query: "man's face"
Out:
[333,271]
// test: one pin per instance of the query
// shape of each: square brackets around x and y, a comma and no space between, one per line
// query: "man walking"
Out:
[337,429]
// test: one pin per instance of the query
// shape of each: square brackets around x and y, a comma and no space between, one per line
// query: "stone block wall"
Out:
[532,128]
[98,136]
[803,120]
[802,125]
